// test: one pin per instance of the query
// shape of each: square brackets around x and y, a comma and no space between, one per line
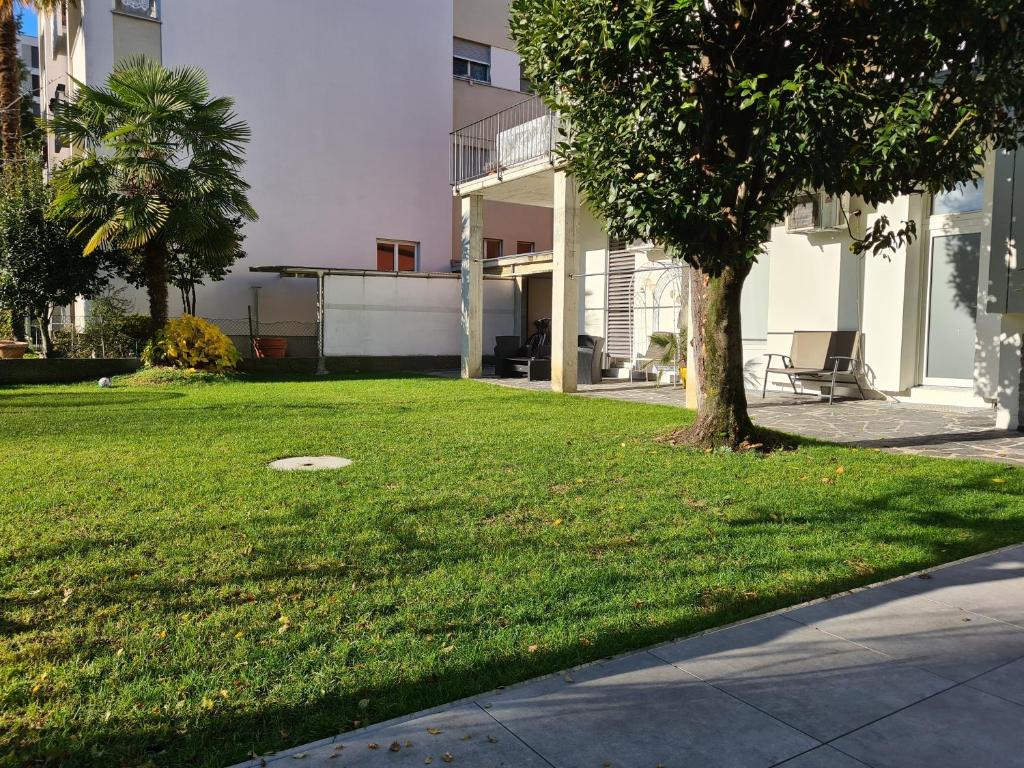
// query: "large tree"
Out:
[156,167]
[695,123]
[12,89]
[41,263]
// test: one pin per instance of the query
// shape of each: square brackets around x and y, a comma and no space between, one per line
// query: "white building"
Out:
[28,50]
[349,159]
[942,318]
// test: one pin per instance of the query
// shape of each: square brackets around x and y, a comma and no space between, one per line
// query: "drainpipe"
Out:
[321,365]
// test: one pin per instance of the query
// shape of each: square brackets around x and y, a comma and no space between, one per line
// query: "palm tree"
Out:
[10,69]
[156,166]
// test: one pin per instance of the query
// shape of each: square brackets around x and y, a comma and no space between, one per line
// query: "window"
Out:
[148,9]
[524,82]
[35,85]
[34,56]
[524,246]
[965,197]
[493,248]
[471,61]
[397,256]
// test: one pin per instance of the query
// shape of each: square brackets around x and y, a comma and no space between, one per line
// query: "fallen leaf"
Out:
[840,470]
[557,521]
[363,703]
[491,739]
[299,756]
[998,480]
[207,703]
[372,745]
[467,737]
[532,649]
[395,747]
[434,731]
[447,757]
[428,761]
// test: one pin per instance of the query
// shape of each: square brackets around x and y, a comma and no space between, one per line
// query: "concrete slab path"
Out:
[919,672]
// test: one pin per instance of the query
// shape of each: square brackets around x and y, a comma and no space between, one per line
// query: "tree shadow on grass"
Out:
[936,530]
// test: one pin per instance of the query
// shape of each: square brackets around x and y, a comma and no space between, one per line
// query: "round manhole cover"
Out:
[309,463]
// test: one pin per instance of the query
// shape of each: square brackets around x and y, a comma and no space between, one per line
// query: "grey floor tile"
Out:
[942,639]
[818,683]
[1006,681]
[823,757]
[992,585]
[639,711]
[958,728]
[466,733]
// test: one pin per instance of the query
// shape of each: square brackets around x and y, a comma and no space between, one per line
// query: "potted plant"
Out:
[12,350]
[270,346]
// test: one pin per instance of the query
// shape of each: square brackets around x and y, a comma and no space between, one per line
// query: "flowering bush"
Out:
[191,342]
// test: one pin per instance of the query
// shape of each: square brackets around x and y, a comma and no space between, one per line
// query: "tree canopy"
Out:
[695,123]
[41,264]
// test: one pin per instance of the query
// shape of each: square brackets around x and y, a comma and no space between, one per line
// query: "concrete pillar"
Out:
[1009,394]
[472,286]
[565,295]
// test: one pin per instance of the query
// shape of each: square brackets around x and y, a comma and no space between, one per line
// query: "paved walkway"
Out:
[944,431]
[920,672]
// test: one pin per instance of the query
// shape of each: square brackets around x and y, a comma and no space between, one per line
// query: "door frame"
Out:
[944,225]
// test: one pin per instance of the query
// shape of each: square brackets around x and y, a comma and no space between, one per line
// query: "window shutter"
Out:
[467,49]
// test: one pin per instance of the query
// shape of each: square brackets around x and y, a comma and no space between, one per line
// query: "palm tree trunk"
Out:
[156,283]
[10,81]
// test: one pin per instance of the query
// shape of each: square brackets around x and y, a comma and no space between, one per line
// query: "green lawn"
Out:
[165,599]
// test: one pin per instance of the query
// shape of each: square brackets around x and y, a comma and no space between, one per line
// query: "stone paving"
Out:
[943,431]
[923,671]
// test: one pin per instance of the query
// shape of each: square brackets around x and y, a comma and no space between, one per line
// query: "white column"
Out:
[472,286]
[565,297]
[692,383]
[1008,390]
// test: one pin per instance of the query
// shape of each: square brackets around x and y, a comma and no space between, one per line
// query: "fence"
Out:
[301,336]
[104,337]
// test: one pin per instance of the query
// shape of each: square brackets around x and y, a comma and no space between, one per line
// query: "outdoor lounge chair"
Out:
[826,357]
[651,360]
[532,359]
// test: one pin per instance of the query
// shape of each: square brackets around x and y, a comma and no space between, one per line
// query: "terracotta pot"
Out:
[270,346]
[13,350]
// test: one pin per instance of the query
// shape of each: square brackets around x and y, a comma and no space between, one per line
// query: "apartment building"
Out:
[28,48]
[349,159]
[941,319]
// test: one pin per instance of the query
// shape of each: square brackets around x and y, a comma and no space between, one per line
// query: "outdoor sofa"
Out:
[825,357]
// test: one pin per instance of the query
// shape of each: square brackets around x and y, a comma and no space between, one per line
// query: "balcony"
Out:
[523,133]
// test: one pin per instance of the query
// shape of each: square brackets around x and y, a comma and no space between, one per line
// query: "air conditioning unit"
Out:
[817,212]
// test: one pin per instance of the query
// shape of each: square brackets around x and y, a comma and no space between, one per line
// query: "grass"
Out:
[167,600]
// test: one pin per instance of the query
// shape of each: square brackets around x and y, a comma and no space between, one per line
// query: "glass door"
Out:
[954,253]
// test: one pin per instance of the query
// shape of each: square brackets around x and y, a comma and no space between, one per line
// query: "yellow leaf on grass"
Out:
[206,703]
[532,648]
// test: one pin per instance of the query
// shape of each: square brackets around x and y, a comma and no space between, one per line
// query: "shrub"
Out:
[191,342]
[110,331]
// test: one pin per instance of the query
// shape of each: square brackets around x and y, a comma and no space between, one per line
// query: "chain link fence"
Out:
[101,336]
[301,336]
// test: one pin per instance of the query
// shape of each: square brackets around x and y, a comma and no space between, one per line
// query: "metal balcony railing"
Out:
[521,133]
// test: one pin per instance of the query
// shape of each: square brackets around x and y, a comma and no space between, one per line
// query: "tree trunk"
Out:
[10,81]
[156,283]
[45,342]
[722,418]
